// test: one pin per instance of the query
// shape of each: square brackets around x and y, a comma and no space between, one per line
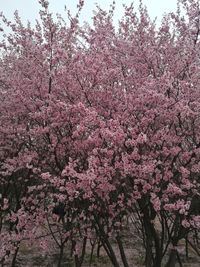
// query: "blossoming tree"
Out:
[99,124]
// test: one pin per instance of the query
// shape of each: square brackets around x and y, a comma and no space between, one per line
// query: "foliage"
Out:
[99,124]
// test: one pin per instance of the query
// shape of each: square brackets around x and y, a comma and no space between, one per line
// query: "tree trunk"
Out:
[61,255]
[77,262]
[99,245]
[172,258]
[15,257]
[106,244]
[83,251]
[121,249]
[149,254]
[149,246]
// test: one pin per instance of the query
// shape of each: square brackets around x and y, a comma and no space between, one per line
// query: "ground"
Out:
[31,256]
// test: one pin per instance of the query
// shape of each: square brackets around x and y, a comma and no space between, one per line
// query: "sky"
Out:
[28,9]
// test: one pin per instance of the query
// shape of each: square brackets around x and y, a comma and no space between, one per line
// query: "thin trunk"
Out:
[61,255]
[172,258]
[179,259]
[106,244]
[77,262]
[149,247]
[99,245]
[158,247]
[122,253]
[186,248]
[110,252]
[83,250]
[15,257]
[91,254]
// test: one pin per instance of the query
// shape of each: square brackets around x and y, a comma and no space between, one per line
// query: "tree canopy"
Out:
[97,124]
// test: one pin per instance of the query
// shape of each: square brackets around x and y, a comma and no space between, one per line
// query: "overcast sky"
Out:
[28,9]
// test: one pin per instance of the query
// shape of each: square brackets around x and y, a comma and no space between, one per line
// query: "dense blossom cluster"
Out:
[99,124]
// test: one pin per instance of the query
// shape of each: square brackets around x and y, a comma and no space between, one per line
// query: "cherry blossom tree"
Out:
[100,125]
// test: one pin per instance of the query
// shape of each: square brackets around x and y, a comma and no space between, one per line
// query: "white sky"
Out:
[28,9]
